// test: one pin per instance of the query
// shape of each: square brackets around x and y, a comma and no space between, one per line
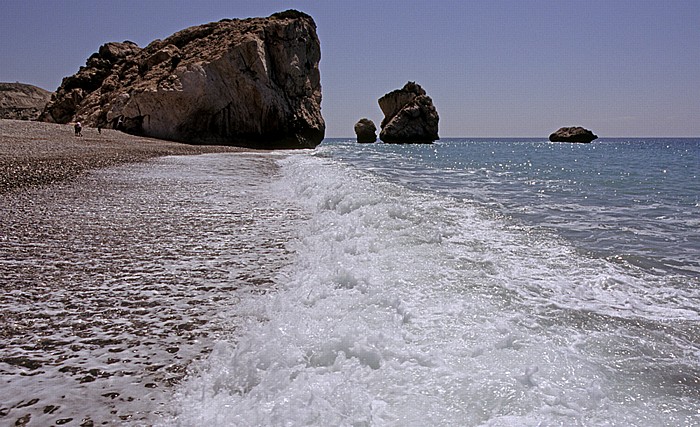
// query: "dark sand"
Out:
[35,153]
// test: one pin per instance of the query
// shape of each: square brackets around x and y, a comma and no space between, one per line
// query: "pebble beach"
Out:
[114,265]
[35,153]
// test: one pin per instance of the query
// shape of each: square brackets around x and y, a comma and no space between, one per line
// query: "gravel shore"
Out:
[36,153]
[118,283]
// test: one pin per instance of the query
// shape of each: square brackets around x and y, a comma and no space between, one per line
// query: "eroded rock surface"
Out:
[409,116]
[253,82]
[572,134]
[366,131]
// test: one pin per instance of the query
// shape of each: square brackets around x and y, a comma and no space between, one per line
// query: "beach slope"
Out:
[35,153]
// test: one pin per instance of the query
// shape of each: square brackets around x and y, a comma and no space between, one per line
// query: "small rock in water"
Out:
[366,131]
[572,134]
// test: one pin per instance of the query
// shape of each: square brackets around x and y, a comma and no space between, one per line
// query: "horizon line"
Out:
[533,137]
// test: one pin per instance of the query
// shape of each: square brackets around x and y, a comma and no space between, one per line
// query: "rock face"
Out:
[253,82]
[409,116]
[19,101]
[366,131]
[572,134]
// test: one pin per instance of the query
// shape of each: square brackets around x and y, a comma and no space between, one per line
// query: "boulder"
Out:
[409,116]
[572,134]
[366,131]
[20,101]
[251,82]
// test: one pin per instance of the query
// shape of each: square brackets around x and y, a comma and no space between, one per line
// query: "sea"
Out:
[473,282]
[469,282]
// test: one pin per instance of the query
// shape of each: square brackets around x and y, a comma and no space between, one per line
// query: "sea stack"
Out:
[409,116]
[572,134]
[366,131]
[20,101]
[251,82]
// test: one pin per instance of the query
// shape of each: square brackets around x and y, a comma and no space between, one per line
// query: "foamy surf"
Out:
[113,283]
[407,308]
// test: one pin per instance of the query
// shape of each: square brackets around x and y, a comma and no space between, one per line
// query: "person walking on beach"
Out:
[78,129]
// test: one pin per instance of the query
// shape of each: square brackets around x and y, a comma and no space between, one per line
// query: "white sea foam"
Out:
[411,309]
[112,283]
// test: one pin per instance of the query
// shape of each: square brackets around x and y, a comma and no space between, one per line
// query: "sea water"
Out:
[471,283]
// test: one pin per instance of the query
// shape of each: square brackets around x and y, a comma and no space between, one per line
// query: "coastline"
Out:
[36,153]
[114,282]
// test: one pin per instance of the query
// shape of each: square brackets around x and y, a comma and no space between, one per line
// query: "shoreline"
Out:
[37,154]
[115,284]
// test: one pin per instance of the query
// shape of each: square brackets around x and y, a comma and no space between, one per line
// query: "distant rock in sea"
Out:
[366,131]
[572,134]
[252,82]
[409,116]
[20,101]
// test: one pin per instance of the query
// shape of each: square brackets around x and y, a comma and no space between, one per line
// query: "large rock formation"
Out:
[409,116]
[253,82]
[572,134]
[19,101]
[366,131]
[80,96]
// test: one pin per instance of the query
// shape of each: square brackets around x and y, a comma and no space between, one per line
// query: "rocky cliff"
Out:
[409,116]
[572,134]
[19,101]
[253,82]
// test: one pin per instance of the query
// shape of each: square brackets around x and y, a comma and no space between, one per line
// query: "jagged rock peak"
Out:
[409,116]
[251,82]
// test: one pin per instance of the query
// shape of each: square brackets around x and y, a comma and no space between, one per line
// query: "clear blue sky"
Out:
[493,67]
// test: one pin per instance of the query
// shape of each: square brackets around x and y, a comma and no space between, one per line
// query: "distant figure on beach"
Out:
[78,129]
[120,124]
[99,129]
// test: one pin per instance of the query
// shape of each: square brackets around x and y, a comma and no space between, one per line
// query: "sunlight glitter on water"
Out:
[408,308]
[381,304]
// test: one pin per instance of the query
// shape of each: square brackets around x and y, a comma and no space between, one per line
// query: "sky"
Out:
[494,68]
